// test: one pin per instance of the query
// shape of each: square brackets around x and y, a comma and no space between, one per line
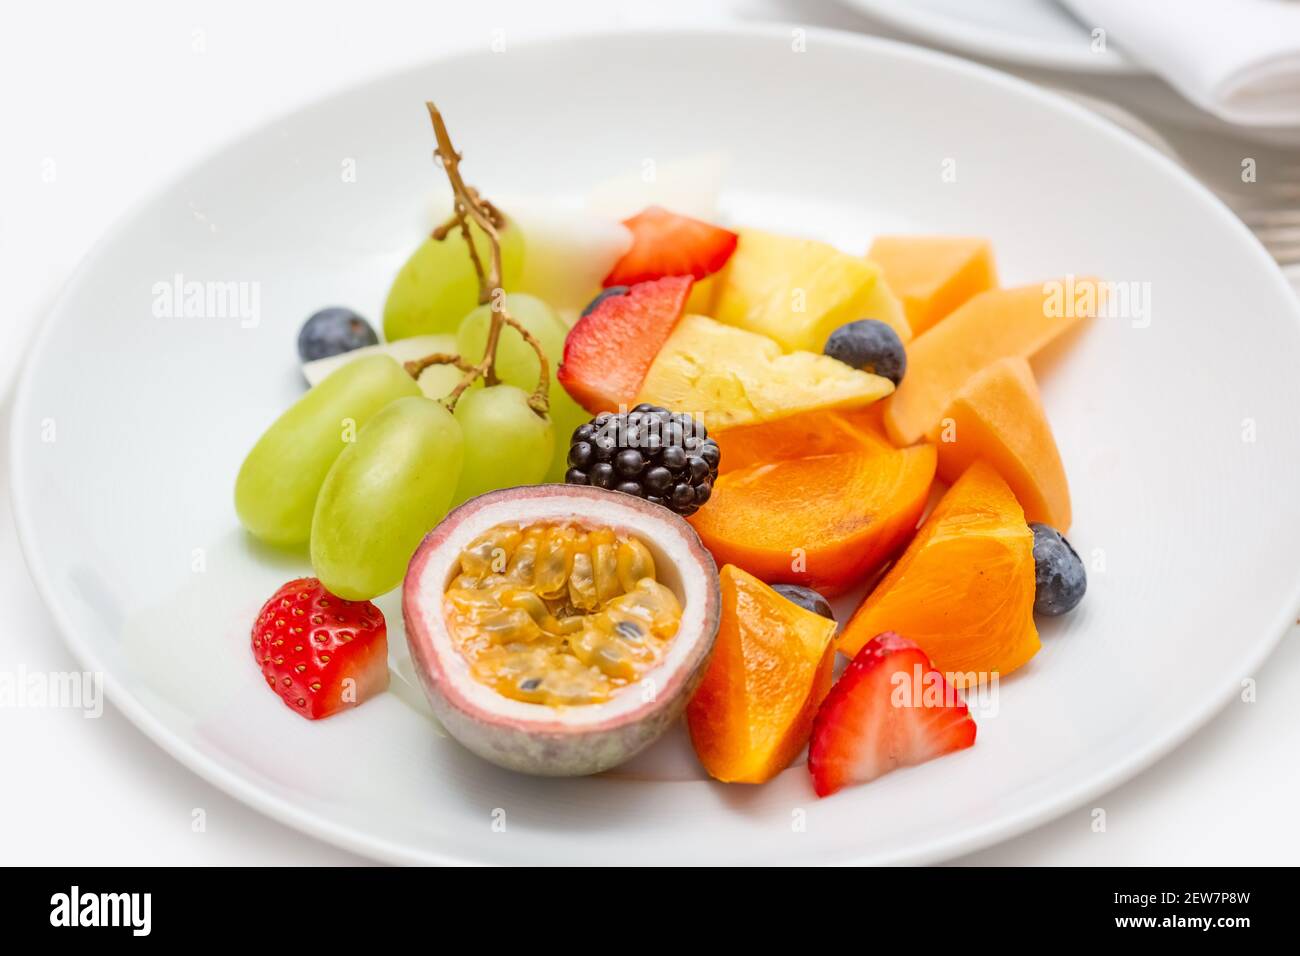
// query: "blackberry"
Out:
[665,457]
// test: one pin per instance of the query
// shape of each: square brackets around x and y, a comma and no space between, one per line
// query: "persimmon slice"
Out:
[826,522]
[770,670]
[819,432]
[964,588]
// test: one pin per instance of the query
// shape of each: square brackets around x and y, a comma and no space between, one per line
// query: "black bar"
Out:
[290,907]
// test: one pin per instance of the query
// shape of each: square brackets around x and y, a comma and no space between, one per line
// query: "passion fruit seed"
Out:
[577,614]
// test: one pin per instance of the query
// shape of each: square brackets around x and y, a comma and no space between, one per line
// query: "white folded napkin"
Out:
[1238,59]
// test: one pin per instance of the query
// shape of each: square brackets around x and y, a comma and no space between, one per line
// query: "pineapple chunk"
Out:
[799,291]
[733,377]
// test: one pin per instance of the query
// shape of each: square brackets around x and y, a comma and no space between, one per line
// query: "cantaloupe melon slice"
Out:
[932,275]
[998,417]
[992,325]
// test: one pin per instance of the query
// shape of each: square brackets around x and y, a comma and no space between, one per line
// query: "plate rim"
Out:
[977,40]
[1003,825]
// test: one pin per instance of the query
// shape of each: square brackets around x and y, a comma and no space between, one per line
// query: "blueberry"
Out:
[1059,577]
[575,476]
[605,294]
[333,332]
[806,598]
[870,345]
[601,475]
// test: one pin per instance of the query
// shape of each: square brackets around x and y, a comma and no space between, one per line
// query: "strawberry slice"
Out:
[889,709]
[609,350]
[320,653]
[666,244]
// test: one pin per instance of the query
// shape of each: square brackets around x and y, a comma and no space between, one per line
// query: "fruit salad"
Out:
[625,473]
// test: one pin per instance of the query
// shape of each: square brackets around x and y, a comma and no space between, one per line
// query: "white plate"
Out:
[129,429]
[1038,33]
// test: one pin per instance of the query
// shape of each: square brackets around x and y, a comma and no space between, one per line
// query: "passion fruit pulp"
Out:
[560,629]
[555,613]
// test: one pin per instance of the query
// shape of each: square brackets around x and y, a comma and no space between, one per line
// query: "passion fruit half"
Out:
[560,629]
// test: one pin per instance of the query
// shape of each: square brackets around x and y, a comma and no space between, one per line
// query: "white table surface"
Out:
[115,100]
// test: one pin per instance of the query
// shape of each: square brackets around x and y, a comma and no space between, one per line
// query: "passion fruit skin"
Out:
[535,738]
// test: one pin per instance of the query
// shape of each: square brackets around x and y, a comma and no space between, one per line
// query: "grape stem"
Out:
[415,368]
[469,207]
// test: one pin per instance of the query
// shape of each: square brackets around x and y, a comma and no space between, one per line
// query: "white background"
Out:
[113,99]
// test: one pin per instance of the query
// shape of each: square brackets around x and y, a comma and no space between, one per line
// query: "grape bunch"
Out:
[371,458]
[437,286]
[365,463]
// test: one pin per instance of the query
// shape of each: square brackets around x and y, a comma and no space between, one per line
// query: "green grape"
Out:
[438,381]
[516,361]
[276,490]
[506,442]
[566,414]
[436,287]
[385,492]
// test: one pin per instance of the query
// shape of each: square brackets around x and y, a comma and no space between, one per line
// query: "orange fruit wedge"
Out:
[964,588]
[932,275]
[770,669]
[826,522]
[999,417]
